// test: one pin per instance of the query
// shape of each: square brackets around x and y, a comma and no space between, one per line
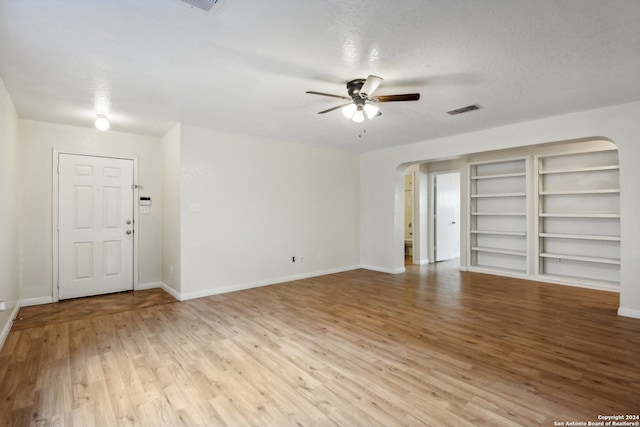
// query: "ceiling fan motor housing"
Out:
[353,88]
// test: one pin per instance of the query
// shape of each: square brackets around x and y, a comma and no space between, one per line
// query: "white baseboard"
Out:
[259,283]
[7,327]
[629,312]
[171,291]
[423,262]
[149,285]
[164,286]
[383,270]
[36,301]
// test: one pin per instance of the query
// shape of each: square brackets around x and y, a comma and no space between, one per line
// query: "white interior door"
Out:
[95,225]
[447,210]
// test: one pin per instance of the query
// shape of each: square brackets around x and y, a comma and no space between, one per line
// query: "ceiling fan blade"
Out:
[335,108]
[369,86]
[327,94]
[396,98]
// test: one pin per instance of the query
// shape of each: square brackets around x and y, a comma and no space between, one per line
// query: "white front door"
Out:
[95,225]
[447,227]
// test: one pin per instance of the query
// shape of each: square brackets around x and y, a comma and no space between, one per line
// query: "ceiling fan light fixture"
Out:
[102,123]
[349,110]
[360,97]
[358,116]
[370,110]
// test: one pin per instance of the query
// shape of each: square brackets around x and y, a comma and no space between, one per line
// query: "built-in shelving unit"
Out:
[578,210]
[498,216]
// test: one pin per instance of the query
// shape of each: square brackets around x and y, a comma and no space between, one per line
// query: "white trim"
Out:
[422,262]
[153,285]
[554,280]
[577,283]
[136,220]
[54,215]
[260,283]
[415,216]
[506,273]
[168,289]
[384,270]
[629,312]
[54,224]
[149,285]
[36,301]
[7,327]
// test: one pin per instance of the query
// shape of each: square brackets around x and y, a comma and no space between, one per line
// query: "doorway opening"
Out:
[446,215]
[432,200]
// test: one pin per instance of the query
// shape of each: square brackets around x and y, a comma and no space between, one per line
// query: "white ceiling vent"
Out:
[204,5]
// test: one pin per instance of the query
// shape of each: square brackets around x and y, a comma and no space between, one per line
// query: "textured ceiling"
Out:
[245,67]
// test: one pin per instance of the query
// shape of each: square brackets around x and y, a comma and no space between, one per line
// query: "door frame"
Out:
[432,212]
[54,215]
[414,217]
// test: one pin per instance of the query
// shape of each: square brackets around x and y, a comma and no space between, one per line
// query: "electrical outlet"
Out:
[300,259]
[3,306]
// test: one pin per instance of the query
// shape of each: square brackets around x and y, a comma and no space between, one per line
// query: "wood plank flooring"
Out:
[430,347]
[83,308]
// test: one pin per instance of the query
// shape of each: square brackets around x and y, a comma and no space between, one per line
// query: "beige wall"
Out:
[171,209]
[262,202]
[9,211]
[37,143]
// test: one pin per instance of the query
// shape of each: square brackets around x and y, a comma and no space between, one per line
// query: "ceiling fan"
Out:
[361,99]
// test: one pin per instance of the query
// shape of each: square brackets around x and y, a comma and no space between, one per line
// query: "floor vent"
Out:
[464,109]
[204,5]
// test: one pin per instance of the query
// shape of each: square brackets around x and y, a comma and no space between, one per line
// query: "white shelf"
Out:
[489,195]
[500,175]
[581,237]
[499,251]
[570,206]
[570,192]
[498,214]
[498,202]
[600,260]
[603,285]
[504,271]
[576,170]
[589,199]
[500,233]
[578,215]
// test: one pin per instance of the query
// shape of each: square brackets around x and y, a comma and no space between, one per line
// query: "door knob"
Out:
[128,231]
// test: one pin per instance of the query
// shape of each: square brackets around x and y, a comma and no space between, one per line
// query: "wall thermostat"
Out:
[145,201]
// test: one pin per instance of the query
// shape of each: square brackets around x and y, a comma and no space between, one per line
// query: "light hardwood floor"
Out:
[84,308]
[429,347]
